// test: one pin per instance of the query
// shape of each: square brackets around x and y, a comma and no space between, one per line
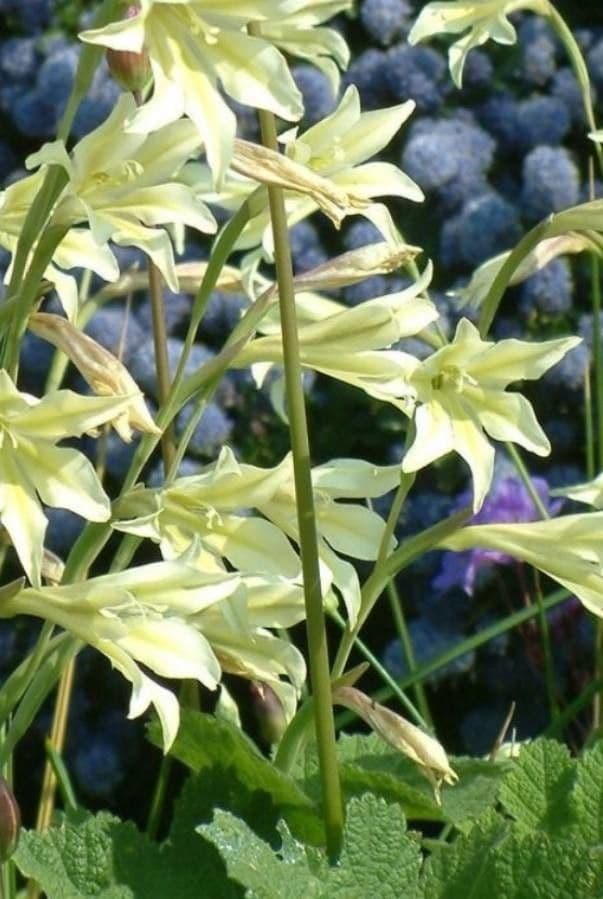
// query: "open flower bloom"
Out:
[206,516]
[145,615]
[590,492]
[335,149]
[568,549]
[124,187]
[238,631]
[101,369]
[210,512]
[461,392]
[78,247]
[299,34]
[344,528]
[197,46]
[33,466]
[482,19]
[351,344]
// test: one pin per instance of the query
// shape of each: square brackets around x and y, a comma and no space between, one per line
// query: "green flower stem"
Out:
[597,354]
[315,620]
[161,358]
[385,676]
[598,377]
[589,427]
[383,573]
[94,536]
[468,645]
[502,280]
[52,186]
[564,719]
[524,474]
[549,669]
[395,602]
[580,71]
[57,736]
[27,293]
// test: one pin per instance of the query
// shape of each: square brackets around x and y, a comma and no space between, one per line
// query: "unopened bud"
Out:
[10,821]
[131,70]
[423,749]
[269,712]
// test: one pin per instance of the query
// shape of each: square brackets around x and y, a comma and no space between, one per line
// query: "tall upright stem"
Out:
[162,364]
[315,619]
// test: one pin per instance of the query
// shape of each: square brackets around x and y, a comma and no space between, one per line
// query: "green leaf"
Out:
[586,800]
[250,860]
[464,868]
[533,866]
[109,859]
[536,790]
[368,764]
[236,772]
[499,859]
[379,858]
[89,856]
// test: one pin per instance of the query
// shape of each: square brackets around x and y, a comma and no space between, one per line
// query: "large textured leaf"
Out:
[379,858]
[227,757]
[536,791]
[502,860]
[103,857]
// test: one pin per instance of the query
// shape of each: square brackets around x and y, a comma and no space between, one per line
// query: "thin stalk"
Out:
[94,536]
[27,293]
[545,637]
[395,602]
[597,354]
[598,379]
[385,676]
[549,668]
[526,479]
[570,712]
[462,648]
[580,71]
[382,574]
[502,280]
[589,427]
[308,538]
[57,741]
[161,358]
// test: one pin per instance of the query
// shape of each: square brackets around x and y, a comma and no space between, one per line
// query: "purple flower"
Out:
[508,502]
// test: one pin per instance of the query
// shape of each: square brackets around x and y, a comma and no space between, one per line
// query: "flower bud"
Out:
[269,712]
[132,71]
[10,821]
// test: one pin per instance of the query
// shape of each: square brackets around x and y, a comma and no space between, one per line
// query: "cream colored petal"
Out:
[434,437]
[64,413]
[472,446]
[516,360]
[21,514]
[172,648]
[510,417]
[64,478]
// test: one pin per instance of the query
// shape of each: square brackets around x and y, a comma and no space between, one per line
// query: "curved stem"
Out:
[383,573]
[580,71]
[525,246]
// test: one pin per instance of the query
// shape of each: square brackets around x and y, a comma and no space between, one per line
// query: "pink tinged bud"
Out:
[268,712]
[132,71]
[10,821]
